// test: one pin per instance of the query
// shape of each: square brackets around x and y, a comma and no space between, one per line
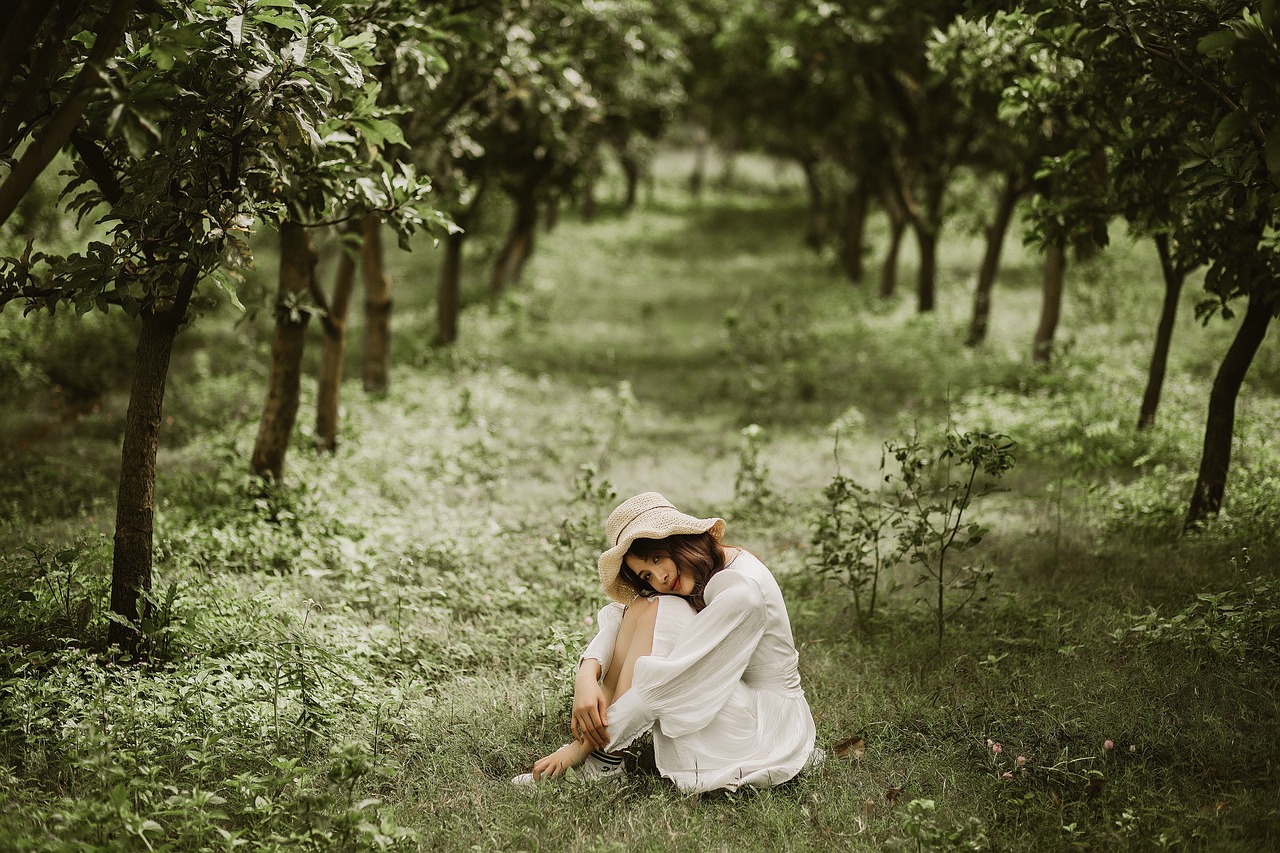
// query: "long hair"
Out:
[696,554]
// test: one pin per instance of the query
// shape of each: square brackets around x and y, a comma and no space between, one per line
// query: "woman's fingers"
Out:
[548,766]
[589,727]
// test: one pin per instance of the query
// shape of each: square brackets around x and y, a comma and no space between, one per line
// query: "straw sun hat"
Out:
[646,516]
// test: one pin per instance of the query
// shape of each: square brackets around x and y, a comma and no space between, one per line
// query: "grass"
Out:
[362,657]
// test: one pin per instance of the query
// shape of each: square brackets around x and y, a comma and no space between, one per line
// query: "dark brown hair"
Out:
[696,554]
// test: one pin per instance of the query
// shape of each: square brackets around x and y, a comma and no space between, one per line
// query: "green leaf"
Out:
[235,26]
[1215,42]
[1228,128]
[1271,151]
[136,137]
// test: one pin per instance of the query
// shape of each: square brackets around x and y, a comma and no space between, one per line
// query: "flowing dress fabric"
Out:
[721,692]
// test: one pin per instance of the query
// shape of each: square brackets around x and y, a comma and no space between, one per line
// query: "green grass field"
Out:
[362,657]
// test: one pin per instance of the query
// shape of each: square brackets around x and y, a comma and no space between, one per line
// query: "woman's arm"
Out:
[590,705]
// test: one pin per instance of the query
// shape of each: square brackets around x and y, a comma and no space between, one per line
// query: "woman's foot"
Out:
[554,765]
[595,766]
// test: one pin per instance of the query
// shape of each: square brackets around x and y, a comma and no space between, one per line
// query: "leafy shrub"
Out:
[857,535]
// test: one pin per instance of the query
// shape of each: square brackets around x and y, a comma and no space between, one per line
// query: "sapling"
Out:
[751,489]
[939,484]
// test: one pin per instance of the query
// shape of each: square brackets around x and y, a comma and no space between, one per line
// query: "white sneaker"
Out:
[598,769]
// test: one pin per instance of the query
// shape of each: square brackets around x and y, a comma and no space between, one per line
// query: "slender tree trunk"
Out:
[631,174]
[377,309]
[135,504]
[927,275]
[889,266]
[698,175]
[449,293]
[1055,267]
[551,212]
[297,267]
[854,250]
[1219,430]
[815,235]
[587,206]
[516,249]
[1173,278]
[331,357]
[996,231]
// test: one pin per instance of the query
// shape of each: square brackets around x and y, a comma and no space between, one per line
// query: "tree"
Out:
[206,114]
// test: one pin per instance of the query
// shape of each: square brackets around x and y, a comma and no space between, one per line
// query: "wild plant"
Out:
[751,492]
[925,831]
[854,537]
[580,537]
[939,482]
[917,513]
[772,345]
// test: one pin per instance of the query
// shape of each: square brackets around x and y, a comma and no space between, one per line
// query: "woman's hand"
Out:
[590,718]
[553,766]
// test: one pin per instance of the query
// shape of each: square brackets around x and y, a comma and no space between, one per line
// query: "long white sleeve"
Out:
[601,648]
[688,688]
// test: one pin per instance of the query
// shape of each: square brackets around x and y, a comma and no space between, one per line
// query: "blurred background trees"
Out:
[180,129]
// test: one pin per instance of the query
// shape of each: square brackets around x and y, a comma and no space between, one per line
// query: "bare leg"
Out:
[635,640]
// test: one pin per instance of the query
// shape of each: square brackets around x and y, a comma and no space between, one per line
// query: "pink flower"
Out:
[1006,775]
[589,620]
[1108,744]
[1020,760]
[997,748]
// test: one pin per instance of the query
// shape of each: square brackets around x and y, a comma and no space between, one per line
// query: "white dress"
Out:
[721,690]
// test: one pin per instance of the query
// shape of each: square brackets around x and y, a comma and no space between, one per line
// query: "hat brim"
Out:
[675,523]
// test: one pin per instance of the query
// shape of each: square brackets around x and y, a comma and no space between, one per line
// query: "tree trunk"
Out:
[927,275]
[815,235]
[698,175]
[1055,266]
[331,357]
[449,293]
[516,249]
[1173,278]
[855,231]
[631,174]
[889,267]
[551,212]
[135,505]
[297,267]
[996,231]
[1219,430]
[587,207]
[377,309]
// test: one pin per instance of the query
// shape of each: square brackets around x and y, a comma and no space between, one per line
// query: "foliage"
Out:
[859,534]
[422,614]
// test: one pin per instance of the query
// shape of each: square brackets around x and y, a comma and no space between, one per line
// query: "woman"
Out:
[720,690]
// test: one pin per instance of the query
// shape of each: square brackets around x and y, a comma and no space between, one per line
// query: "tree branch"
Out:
[55,134]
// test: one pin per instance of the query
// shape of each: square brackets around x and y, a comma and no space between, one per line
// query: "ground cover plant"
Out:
[362,655]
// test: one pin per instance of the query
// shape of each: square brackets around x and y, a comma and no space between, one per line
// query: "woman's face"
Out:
[661,573]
